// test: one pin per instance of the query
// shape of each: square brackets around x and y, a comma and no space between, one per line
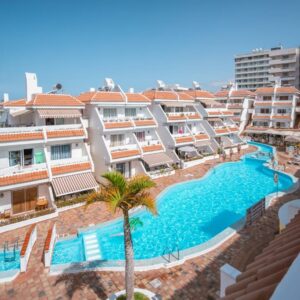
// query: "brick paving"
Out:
[195,279]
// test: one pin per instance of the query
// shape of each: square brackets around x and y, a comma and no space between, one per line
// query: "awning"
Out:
[187,149]
[59,113]
[73,183]
[202,143]
[157,159]
[20,112]
[212,102]
[174,104]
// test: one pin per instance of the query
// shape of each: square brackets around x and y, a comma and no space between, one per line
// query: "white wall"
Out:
[5,201]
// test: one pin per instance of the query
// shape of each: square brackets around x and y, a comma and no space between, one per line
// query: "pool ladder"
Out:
[167,254]
[7,256]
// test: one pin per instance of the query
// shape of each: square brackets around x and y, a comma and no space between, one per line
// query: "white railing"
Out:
[25,257]
[69,161]
[149,142]
[22,169]
[123,147]
[39,128]
[48,252]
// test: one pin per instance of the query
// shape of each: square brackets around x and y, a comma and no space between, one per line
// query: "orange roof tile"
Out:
[202,136]
[233,129]
[161,95]
[136,97]
[184,96]
[26,240]
[265,90]
[278,103]
[242,93]
[77,167]
[221,130]
[124,153]
[22,178]
[101,96]
[112,125]
[15,103]
[261,117]
[55,100]
[199,94]
[222,94]
[151,148]
[263,275]
[48,238]
[194,116]
[184,139]
[26,136]
[65,133]
[287,90]
[148,122]
[281,117]
[214,113]
[176,118]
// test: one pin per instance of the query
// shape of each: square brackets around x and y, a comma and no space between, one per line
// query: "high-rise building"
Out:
[262,68]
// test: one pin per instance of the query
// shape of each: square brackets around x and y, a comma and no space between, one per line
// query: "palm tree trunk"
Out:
[129,267]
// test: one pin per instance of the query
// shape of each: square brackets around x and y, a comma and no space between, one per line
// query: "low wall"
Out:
[27,246]
[49,245]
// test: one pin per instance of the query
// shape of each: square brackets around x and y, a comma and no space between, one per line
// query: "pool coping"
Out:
[183,255]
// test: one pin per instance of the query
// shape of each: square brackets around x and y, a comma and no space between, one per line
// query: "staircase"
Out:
[91,246]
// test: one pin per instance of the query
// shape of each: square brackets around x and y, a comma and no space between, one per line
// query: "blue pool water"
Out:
[190,213]
[9,265]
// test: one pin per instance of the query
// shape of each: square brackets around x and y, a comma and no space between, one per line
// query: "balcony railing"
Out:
[69,161]
[18,169]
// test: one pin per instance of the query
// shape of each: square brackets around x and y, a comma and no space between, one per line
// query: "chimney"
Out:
[5,97]
[31,86]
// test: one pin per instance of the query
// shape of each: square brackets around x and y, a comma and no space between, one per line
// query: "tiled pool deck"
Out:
[197,278]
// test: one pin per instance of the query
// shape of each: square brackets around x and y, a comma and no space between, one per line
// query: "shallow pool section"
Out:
[7,264]
[190,213]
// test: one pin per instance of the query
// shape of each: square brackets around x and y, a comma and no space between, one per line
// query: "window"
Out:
[109,113]
[116,140]
[61,152]
[140,136]
[281,111]
[283,98]
[130,112]
[121,167]
[14,158]
[52,121]
[267,97]
[264,110]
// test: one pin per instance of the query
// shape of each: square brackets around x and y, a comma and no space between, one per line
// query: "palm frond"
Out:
[146,200]
[139,183]
[117,180]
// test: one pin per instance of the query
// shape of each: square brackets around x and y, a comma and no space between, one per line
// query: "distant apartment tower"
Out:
[262,68]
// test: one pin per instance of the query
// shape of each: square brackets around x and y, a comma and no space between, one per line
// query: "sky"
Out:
[135,42]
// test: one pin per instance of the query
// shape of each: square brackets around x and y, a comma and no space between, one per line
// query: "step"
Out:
[91,247]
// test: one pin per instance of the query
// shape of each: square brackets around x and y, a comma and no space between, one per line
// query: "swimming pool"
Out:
[6,265]
[190,213]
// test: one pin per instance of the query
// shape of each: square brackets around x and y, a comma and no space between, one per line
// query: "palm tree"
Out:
[123,194]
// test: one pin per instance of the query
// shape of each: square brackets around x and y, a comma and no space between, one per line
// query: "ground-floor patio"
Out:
[197,278]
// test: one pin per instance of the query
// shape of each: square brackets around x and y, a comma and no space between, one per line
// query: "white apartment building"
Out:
[43,154]
[276,113]
[123,134]
[236,101]
[262,68]
[219,120]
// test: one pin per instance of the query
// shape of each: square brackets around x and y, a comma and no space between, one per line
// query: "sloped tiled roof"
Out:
[262,276]
[101,96]
[55,100]
[57,170]
[279,90]
[136,97]
[222,94]
[200,94]
[162,95]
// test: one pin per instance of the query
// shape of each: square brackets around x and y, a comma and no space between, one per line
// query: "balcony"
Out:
[125,151]
[118,124]
[283,103]
[185,138]
[201,136]
[259,116]
[18,169]
[282,117]
[263,103]
[151,146]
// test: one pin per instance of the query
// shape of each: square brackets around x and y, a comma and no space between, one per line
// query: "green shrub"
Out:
[137,296]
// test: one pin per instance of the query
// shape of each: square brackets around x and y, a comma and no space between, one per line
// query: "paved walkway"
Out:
[195,279]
